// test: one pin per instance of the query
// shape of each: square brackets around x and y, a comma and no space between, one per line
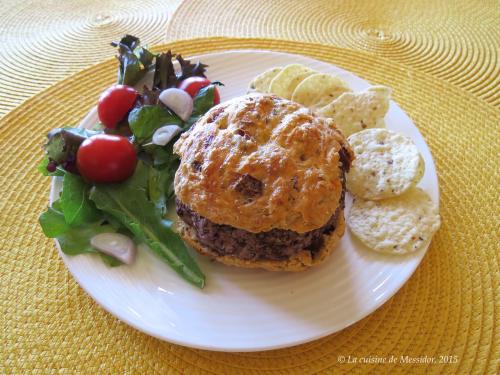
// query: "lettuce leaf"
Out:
[202,102]
[75,204]
[165,75]
[74,240]
[52,221]
[161,187]
[144,121]
[61,149]
[128,203]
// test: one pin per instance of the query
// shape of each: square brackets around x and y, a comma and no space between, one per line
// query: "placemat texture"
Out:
[449,307]
[45,41]
[456,41]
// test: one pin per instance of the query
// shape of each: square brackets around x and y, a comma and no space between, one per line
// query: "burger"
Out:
[261,184]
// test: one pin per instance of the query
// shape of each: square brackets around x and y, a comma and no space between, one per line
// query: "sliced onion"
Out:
[165,134]
[178,101]
[116,245]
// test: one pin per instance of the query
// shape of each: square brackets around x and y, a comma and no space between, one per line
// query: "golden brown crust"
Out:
[300,262]
[294,155]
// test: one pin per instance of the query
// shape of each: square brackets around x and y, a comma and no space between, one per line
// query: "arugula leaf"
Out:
[52,221]
[117,226]
[76,240]
[76,206]
[109,260]
[128,203]
[161,156]
[121,128]
[145,120]
[202,102]
[135,60]
[164,164]
[161,187]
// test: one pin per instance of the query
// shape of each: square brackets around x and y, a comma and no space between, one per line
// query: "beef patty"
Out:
[276,244]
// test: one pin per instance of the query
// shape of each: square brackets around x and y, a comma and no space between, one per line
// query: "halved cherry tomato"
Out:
[115,103]
[106,158]
[194,84]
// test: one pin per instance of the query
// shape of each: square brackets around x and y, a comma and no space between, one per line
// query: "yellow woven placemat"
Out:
[456,41]
[449,307]
[42,42]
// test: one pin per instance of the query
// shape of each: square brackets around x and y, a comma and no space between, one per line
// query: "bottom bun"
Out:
[299,262]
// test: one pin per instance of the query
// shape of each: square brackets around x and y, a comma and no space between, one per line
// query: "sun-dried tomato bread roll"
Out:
[261,183]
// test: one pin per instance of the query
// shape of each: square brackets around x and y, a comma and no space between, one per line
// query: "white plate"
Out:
[248,310]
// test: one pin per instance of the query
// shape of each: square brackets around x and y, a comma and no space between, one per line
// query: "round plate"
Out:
[250,310]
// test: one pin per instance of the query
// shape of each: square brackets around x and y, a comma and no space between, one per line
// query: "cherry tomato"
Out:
[115,103]
[194,84]
[106,158]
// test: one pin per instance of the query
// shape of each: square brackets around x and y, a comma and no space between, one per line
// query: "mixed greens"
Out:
[135,201]
[136,61]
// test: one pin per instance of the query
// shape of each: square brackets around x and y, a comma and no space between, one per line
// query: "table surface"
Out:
[440,57]
[44,42]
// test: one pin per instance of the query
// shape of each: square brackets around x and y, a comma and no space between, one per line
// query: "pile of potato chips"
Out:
[327,96]
[389,213]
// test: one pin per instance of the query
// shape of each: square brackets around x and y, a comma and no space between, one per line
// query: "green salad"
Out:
[117,178]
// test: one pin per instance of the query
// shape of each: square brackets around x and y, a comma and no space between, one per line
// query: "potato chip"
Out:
[262,81]
[386,164]
[355,111]
[287,80]
[319,89]
[398,225]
